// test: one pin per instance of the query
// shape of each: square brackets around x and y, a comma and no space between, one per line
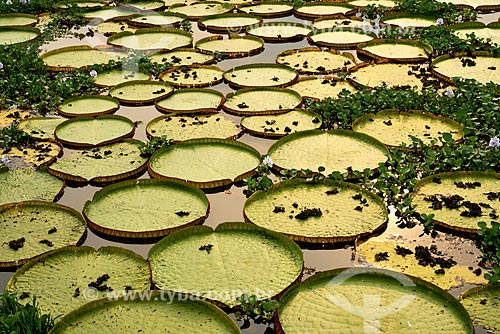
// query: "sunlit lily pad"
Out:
[313,10]
[335,150]
[116,77]
[260,75]
[154,19]
[191,100]
[409,20]
[365,3]
[152,39]
[183,57]
[140,92]
[479,5]
[276,126]
[32,228]
[395,50]
[198,10]
[17,19]
[224,269]
[393,127]
[185,127]
[321,88]
[136,208]
[279,31]
[145,5]
[14,35]
[88,105]
[480,30]
[72,57]
[268,8]
[111,13]
[232,47]
[374,75]
[109,28]
[81,4]
[205,163]
[342,22]
[459,200]
[37,154]
[315,60]
[105,164]
[40,128]
[192,76]
[341,38]
[261,101]
[228,23]
[482,303]
[9,116]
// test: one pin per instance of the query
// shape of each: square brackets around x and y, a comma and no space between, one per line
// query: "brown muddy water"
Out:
[228,206]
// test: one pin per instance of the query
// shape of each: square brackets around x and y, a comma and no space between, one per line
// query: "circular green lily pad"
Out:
[232,47]
[479,29]
[224,269]
[32,228]
[393,127]
[110,28]
[357,300]
[478,5]
[321,88]
[409,20]
[192,76]
[38,154]
[482,305]
[86,132]
[72,57]
[64,279]
[459,200]
[342,22]
[144,5]
[205,163]
[13,35]
[81,4]
[140,92]
[228,23]
[110,163]
[313,10]
[40,128]
[111,13]
[191,100]
[260,75]
[198,10]
[335,150]
[152,39]
[183,57]
[88,105]
[185,127]
[268,9]
[18,19]
[315,60]
[481,66]
[27,184]
[279,31]
[277,126]
[395,50]
[136,208]
[116,77]
[341,38]
[160,313]
[261,101]
[329,211]
[373,75]
[154,19]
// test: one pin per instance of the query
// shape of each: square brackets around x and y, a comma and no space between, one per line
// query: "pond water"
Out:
[228,205]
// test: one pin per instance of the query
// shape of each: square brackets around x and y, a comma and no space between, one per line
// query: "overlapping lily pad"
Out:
[335,150]
[65,279]
[18,19]
[109,28]
[479,29]
[111,13]
[145,208]
[198,10]
[329,211]
[459,200]
[338,301]
[321,88]
[35,155]
[32,228]
[40,128]
[88,105]
[72,57]
[154,19]
[279,31]
[183,57]
[393,127]
[232,47]
[191,100]
[375,74]
[365,3]
[144,5]
[479,5]
[140,92]
[14,35]
[261,101]
[277,126]
[268,8]
[105,164]
[9,116]
[260,75]
[192,76]
[409,20]
[395,50]
[207,163]
[116,77]
[482,303]
[160,313]
[224,269]
[341,38]
[81,4]
[185,127]
[87,132]
[228,23]
[342,22]
[315,60]
[152,39]
[313,10]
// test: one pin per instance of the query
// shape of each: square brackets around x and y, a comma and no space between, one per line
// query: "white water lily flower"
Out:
[1,66]
[495,142]
[93,73]
[440,21]
[268,161]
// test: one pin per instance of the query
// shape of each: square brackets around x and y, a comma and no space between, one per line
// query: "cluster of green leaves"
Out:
[447,11]
[62,21]
[258,181]
[373,11]
[34,7]
[258,311]
[22,319]
[151,146]
[11,136]
[489,239]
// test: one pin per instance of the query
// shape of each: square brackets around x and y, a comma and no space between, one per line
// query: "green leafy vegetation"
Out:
[489,243]
[151,146]
[258,311]
[447,11]
[11,136]
[260,180]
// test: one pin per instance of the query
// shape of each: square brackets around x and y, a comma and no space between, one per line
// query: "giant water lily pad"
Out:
[260,75]
[205,163]
[65,279]
[234,46]
[152,39]
[479,5]
[482,304]
[191,100]
[374,75]
[110,28]
[365,3]
[313,10]
[279,31]
[72,57]
[32,228]
[395,50]
[40,128]
[88,105]
[198,10]
[335,150]
[192,76]
[145,208]
[481,66]
[27,184]
[317,212]
[341,38]
[160,313]
[315,60]
[409,20]
[144,5]
[9,116]
[140,92]
[13,35]
[93,4]
[18,19]
[85,132]
[111,13]
[103,164]
[357,300]
[261,101]
[479,29]
[183,56]
[35,155]
[268,8]
[228,23]
[459,200]
[342,22]
[224,269]
[277,126]
[185,127]
[116,77]
[393,127]
[321,88]
[154,19]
